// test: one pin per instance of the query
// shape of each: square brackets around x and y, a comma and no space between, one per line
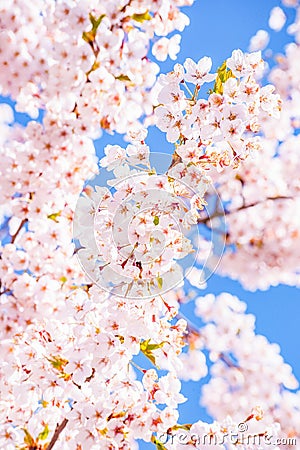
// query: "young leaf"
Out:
[147,349]
[28,439]
[160,446]
[44,434]
[141,17]
[159,282]
[144,345]
[96,22]
[89,36]
[57,362]
[154,346]
[222,76]
[123,78]
[54,216]
[156,220]
[157,443]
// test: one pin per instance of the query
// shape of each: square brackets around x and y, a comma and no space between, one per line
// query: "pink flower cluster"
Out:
[262,227]
[44,168]
[87,56]
[97,361]
[132,236]
[223,129]
[262,196]
[246,368]
[77,369]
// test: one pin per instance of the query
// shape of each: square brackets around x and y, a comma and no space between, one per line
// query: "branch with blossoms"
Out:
[70,374]
[91,62]
[219,131]
[15,235]
[59,429]
[94,354]
[140,262]
[215,214]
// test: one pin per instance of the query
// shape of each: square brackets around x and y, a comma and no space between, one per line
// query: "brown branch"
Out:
[59,428]
[14,236]
[229,363]
[176,159]
[126,6]
[5,291]
[217,213]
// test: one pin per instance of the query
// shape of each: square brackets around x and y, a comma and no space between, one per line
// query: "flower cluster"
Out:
[78,375]
[97,361]
[86,354]
[262,232]
[220,130]
[85,56]
[246,368]
[134,234]
[44,168]
[261,197]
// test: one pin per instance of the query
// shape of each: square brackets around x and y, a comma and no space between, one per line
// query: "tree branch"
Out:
[229,363]
[14,237]
[217,213]
[59,428]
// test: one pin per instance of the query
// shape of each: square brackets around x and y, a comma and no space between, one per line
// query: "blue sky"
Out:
[217,27]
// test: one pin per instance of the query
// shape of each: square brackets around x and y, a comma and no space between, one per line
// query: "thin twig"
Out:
[14,237]
[59,428]
[5,291]
[229,363]
[204,220]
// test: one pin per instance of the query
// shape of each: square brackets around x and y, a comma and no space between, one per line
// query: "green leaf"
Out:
[223,74]
[123,78]
[158,444]
[155,346]
[28,439]
[54,216]
[89,36]
[44,434]
[159,282]
[147,349]
[96,22]
[57,362]
[141,17]
[156,220]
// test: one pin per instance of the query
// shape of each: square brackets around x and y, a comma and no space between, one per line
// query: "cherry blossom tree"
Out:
[98,257]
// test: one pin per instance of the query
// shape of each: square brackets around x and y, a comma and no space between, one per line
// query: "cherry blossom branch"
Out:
[5,291]
[59,428]
[14,237]
[223,357]
[126,6]
[225,212]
